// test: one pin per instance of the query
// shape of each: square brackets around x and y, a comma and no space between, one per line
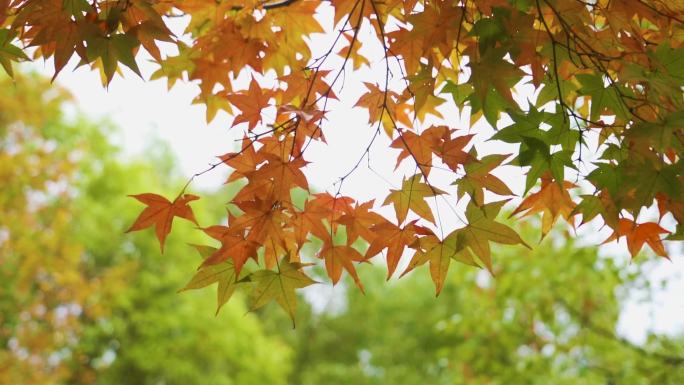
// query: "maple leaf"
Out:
[420,147]
[338,257]
[410,50]
[310,220]
[602,97]
[9,52]
[235,246]
[213,103]
[160,213]
[355,57]
[590,207]
[224,273]
[433,27]
[439,254]
[285,175]
[243,162]
[412,197]
[111,50]
[250,104]
[423,91]
[583,71]
[350,9]
[329,208]
[359,221]
[302,83]
[67,35]
[393,238]
[477,178]
[380,104]
[551,200]
[482,229]
[667,204]
[296,23]
[639,233]
[262,223]
[305,125]
[493,73]
[452,154]
[148,32]
[279,286]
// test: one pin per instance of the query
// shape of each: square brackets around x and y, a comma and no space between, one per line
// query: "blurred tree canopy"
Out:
[80,301]
[548,317]
[83,303]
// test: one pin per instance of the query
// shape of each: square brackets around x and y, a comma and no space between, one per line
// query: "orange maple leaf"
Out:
[262,221]
[451,151]
[395,239]
[420,147]
[380,104]
[341,256]
[234,246]
[243,162]
[359,221]
[160,213]
[310,219]
[639,233]
[301,84]
[250,104]
[552,200]
[283,175]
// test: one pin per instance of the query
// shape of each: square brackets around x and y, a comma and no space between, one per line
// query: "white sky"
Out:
[143,109]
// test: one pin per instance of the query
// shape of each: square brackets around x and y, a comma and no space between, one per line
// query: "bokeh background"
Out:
[81,302]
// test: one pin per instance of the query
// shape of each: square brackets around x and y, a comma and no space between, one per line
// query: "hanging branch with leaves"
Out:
[607,114]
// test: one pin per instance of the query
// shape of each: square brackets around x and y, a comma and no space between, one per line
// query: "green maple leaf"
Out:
[112,50]
[459,92]
[412,197]
[223,273]
[279,286]
[482,229]
[493,92]
[590,206]
[602,96]
[530,124]
[477,178]
[9,53]
[439,255]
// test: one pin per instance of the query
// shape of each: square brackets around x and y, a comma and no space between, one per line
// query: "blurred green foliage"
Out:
[81,302]
[548,317]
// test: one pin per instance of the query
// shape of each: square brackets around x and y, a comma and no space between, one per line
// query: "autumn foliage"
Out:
[600,136]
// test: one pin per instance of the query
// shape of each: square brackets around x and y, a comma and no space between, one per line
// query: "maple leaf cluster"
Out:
[607,111]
